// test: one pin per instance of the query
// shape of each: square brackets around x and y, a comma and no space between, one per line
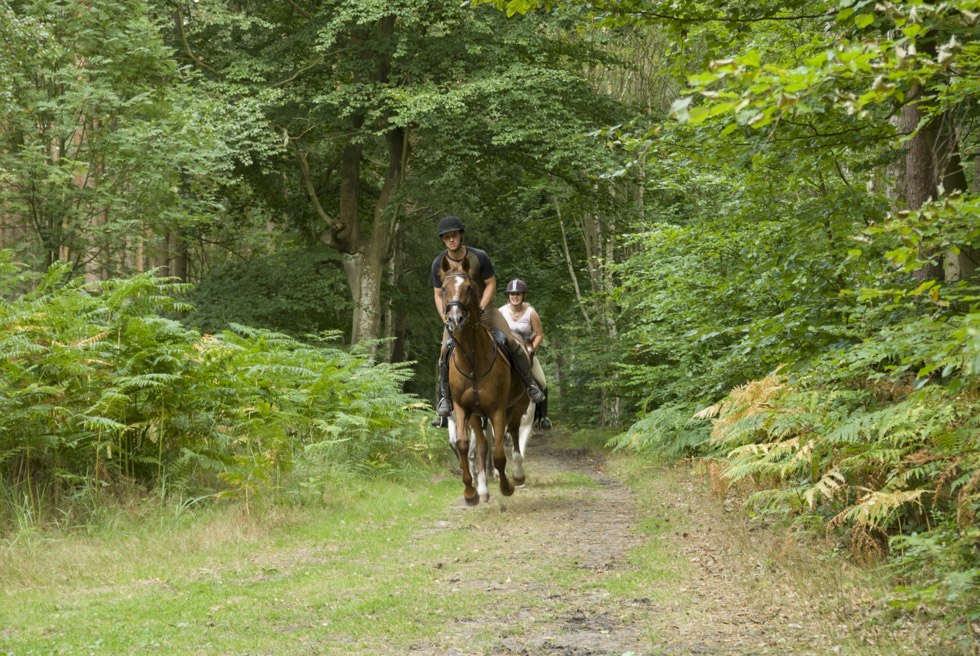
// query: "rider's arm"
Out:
[491,288]
[538,331]
[437,297]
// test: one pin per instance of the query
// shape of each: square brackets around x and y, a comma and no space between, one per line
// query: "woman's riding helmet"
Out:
[516,286]
[450,224]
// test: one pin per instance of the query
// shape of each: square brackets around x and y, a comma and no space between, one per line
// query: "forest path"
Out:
[580,564]
[599,555]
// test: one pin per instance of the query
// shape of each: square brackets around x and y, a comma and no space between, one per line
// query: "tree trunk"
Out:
[365,270]
[600,253]
[179,254]
[920,173]
[571,269]
[961,264]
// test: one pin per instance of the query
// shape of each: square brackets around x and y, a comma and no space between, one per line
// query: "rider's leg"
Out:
[523,368]
[543,423]
[538,373]
[518,356]
[444,406]
[541,409]
[439,421]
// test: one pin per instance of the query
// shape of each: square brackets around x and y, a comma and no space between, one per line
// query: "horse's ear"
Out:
[446,264]
[465,265]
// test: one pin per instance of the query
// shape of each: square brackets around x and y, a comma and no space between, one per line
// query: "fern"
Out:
[670,431]
[879,509]
[96,386]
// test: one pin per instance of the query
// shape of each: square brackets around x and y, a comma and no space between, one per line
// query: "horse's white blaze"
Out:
[457,287]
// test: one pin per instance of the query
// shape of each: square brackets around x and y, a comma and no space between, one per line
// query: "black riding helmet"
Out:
[450,224]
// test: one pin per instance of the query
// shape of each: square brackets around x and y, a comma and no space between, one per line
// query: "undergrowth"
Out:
[875,444]
[104,395]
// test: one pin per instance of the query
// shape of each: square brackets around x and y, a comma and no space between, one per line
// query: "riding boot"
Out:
[518,356]
[543,422]
[444,407]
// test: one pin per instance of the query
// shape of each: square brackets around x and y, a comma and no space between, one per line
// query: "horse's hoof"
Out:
[519,482]
[507,491]
[471,501]
[484,498]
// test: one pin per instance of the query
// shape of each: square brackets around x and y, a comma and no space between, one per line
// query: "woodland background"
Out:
[751,230]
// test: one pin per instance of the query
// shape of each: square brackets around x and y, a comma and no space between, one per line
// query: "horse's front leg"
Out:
[481,459]
[519,432]
[499,421]
[463,451]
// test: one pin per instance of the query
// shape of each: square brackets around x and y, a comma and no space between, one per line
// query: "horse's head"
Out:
[459,294]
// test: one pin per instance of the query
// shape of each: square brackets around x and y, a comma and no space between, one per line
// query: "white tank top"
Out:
[521,325]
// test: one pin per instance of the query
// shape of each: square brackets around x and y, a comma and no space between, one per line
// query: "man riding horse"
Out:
[451,230]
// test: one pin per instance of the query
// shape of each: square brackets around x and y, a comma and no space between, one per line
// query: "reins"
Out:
[470,357]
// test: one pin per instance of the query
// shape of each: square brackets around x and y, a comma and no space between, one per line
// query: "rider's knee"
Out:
[447,348]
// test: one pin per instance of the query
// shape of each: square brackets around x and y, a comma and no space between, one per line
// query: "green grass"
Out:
[370,566]
[357,574]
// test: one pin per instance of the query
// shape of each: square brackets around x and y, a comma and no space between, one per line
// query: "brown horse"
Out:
[481,383]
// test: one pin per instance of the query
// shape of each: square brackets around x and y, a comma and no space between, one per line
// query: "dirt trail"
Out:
[715,596]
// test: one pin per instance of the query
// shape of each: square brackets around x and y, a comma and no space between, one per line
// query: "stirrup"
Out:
[535,393]
[440,422]
[445,407]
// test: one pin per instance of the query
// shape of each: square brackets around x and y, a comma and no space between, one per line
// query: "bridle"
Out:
[459,304]
[464,307]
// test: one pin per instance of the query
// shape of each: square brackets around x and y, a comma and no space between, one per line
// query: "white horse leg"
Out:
[479,454]
[527,427]
[523,434]
[488,457]
[517,469]
[481,484]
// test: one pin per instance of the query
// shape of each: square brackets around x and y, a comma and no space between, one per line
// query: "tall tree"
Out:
[100,136]
[387,110]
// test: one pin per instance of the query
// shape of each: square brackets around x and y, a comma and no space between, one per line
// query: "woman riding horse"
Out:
[525,322]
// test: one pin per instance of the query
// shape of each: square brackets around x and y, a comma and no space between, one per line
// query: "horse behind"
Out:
[481,383]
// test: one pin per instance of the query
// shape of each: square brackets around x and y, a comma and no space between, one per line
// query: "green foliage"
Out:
[670,430]
[100,389]
[884,459]
[939,567]
[773,238]
[297,292]
[102,142]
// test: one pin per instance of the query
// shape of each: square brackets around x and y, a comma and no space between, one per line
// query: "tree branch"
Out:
[179,19]
[571,268]
[304,167]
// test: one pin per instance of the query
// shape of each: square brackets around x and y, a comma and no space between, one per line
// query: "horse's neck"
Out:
[476,339]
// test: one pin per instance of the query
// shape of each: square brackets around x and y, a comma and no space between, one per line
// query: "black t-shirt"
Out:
[481,268]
